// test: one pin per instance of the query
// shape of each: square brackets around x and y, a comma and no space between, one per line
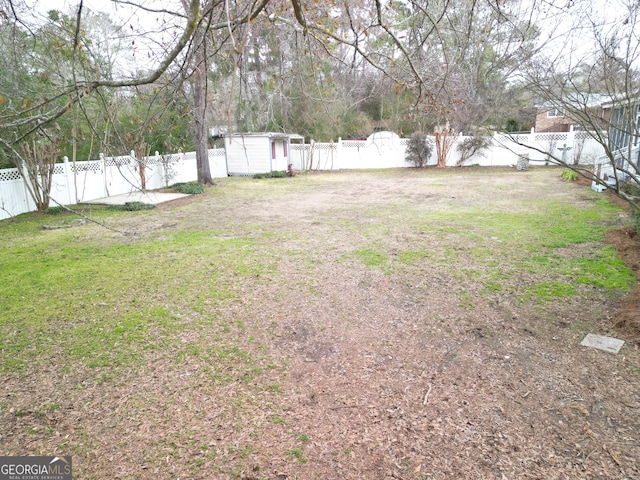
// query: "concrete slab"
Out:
[608,344]
[152,198]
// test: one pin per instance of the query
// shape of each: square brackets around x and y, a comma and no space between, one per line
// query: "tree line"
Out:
[81,82]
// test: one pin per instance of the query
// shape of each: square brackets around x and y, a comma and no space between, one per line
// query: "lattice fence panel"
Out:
[9,175]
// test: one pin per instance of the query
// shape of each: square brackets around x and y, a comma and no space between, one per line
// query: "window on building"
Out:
[555,112]
[618,133]
[273,149]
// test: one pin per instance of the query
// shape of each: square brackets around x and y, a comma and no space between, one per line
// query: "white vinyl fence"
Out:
[86,181]
[90,180]
[504,150]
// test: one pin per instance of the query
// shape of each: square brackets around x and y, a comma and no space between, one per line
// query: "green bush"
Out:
[190,188]
[278,174]
[132,206]
[569,175]
[54,210]
[636,220]
[419,149]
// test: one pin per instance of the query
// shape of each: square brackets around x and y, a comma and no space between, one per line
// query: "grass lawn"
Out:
[200,314]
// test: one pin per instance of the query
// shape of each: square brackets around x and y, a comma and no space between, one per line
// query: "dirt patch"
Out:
[627,244]
[363,371]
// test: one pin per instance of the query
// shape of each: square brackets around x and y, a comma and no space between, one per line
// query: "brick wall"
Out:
[547,123]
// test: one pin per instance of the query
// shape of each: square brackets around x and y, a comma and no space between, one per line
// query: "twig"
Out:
[426,396]
[586,459]
[614,455]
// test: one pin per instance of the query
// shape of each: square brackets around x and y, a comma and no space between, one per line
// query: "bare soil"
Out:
[383,375]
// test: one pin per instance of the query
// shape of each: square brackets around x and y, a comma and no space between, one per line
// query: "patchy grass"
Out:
[183,332]
[105,305]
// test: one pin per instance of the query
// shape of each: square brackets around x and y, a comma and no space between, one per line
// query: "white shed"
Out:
[251,153]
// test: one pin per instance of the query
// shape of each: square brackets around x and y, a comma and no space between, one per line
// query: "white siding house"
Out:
[251,153]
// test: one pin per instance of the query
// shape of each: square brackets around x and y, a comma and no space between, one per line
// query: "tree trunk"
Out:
[200,116]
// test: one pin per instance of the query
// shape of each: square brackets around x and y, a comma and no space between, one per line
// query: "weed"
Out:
[569,175]
[278,420]
[297,453]
[372,258]
[547,291]
[275,388]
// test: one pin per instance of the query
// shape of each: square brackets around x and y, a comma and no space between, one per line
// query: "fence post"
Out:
[67,179]
[571,140]
[28,188]
[104,174]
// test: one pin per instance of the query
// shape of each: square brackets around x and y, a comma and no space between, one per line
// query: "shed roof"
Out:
[577,99]
[273,135]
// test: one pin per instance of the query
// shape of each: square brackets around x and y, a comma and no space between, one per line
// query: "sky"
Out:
[560,17]
[140,47]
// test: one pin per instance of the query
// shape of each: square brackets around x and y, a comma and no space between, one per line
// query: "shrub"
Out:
[54,210]
[190,188]
[569,175]
[636,220]
[471,146]
[132,206]
[419,150]
[277,174]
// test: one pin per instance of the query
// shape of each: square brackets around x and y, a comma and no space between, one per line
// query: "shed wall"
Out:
[248,155]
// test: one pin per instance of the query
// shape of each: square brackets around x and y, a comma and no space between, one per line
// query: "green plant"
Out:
[419,150]
[512,125]
[636,220]
[297,453]
[132,207]
[569,175]
[372,258]
[471,146]
[55,210]
[277,174]
[190,188]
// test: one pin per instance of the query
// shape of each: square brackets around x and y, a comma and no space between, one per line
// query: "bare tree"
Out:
[428,53]
[37,161]
[599,90]
[445,137]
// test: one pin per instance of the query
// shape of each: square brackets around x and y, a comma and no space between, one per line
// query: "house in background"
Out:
[624,126]
[552,119]
[555,118]
[251,153]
